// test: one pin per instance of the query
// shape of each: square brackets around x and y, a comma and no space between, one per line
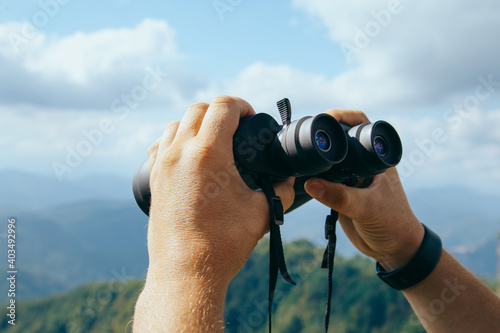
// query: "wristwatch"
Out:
[419,267]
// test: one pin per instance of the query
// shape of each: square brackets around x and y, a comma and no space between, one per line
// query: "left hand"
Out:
[378,220]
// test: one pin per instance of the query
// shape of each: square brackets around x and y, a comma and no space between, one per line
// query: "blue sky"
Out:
[244,33]
[429,68]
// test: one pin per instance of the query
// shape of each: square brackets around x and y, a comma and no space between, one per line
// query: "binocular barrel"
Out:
[316,146]
[140,187]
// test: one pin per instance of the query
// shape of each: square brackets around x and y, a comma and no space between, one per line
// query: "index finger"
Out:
[351,117]
[222,119]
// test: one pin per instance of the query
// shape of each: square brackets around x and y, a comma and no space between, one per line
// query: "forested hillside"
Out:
[361,302]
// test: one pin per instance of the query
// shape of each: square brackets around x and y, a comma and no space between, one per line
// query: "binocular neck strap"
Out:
[276,255]
[328,258]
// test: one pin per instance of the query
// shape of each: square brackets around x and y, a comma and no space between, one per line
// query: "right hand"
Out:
[378,220]
[204,220]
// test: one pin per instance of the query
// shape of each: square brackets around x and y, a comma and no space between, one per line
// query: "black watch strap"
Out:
[419,267]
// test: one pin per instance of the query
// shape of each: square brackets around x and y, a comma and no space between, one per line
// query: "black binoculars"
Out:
[316,146]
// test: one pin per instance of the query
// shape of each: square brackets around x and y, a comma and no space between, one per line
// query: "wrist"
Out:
[418,268]
[405,249]
[172,284]
[187,255]
[180,304]
[196,267]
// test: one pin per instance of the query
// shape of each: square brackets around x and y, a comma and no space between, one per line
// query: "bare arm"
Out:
[204,220]
[451,299]
[180,305]
[380,223]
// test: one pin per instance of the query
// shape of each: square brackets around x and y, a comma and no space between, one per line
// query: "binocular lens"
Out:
[311,145]
[323,141]
[380,145]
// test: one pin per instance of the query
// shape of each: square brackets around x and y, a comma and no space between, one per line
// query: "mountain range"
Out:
[360,301]
[90,229]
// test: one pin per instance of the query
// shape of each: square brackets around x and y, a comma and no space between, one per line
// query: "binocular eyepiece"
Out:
[316,146]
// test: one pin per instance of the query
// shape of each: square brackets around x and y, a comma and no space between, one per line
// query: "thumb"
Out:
[346,200]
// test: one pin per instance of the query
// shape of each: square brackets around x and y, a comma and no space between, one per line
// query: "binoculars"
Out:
[316,146]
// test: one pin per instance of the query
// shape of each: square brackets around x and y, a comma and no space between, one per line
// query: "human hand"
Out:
[204,220]
[378,220]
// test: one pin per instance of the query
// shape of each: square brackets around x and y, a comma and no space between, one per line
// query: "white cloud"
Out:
[92,69]
[422,53]
[466,153]
[469,155]
[472,141]
[310,93]
[263,84]
[83,56]
[32,139]
[406,66]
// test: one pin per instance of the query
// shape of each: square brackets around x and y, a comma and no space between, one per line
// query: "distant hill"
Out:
[461,216]
[28,191]
[77,243]
[481,259]
[90,229]
[361,302]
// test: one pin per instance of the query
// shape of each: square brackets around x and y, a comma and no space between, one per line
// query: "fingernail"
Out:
[315,188]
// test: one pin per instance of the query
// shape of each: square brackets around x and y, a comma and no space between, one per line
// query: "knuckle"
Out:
[224,99]
[208,145]
[343,200]
[200,155]
[168,159]
[189,129]
[169,133]
[353,117]
[172,125]
[198,105]
[334,112]
[361,116]
[153,149]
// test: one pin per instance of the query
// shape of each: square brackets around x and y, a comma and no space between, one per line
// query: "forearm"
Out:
[180,305]
[204,220]
[451,299]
